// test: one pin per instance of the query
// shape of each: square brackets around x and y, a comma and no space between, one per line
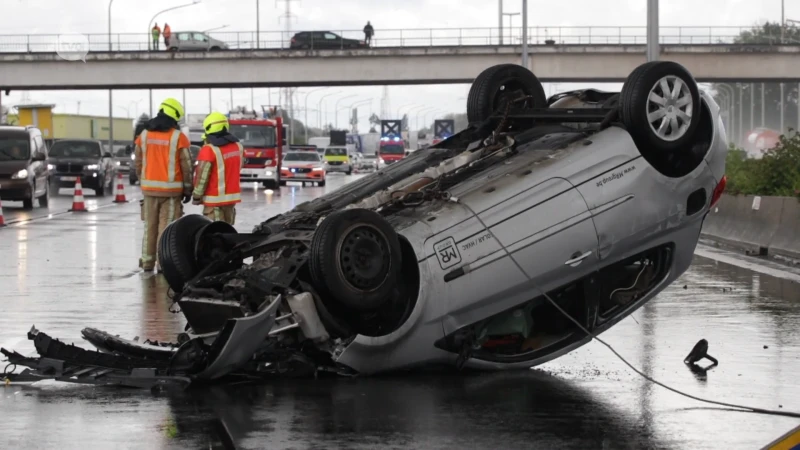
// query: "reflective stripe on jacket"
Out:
[223,182]
[161,167]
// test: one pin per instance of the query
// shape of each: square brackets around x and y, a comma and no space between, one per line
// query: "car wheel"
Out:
[660,107]
[214,49]
[355,259]
[44,200]
[321,183]
[176,256]
[28,202]
[349,172]
[132,179]
[500,84]
[270,184]
[282,183]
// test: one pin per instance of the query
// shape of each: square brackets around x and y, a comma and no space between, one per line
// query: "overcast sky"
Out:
[133,16]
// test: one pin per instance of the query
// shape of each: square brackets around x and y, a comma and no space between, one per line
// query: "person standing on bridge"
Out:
[156,33]
[167,34]
[368,33]
[219,163]
[164,168]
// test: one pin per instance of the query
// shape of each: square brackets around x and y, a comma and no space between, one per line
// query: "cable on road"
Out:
[742,408]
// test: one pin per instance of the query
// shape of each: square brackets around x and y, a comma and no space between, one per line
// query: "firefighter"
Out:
[219,163]
[155,32]
[167,33]
[164,168]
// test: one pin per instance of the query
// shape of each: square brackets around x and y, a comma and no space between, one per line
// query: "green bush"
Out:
[776,173]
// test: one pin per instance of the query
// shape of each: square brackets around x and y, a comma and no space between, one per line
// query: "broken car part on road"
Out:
[447,257]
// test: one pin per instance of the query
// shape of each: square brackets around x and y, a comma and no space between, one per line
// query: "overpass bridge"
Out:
[384,66]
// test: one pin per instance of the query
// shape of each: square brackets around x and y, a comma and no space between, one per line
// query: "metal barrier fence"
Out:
[409,38]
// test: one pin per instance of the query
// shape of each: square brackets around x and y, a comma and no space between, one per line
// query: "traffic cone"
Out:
[2,221]
[120,198]
[77,199]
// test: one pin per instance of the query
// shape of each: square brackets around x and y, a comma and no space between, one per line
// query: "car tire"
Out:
[214,49]
[132,179]
[362,285]
[270,184]
[349,172]
[499,84]
[321,183]
[282,183]
[641,116]
[44,200]
[176,256]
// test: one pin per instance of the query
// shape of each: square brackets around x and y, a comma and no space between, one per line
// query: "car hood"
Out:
[301,164]
[73,160]
[11,167]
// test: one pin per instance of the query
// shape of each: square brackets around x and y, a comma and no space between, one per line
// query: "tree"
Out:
[768,33]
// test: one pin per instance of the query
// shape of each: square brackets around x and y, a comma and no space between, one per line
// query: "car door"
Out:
[547,229]
[184,41]
[200,41]
[332,41]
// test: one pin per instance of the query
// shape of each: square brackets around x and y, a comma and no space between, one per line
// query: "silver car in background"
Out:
[195,41]
[501,247]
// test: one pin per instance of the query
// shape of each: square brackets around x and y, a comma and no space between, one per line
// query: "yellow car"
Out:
[337,160]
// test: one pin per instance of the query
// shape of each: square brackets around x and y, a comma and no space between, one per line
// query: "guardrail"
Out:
[409,38]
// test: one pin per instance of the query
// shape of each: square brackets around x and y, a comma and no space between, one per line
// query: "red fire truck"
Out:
[391,147]
[263,140]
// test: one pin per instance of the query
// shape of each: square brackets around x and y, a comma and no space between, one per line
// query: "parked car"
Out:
[87,159]
[23,166]
[322,40]
[302,166]
[195,41]
[508,245]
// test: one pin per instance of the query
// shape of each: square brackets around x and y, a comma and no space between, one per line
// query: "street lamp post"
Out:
[319,109]
[150,25]
[399,116]
[425,110]
[510,25]
[350,107]
[525,34]
[305,124]
[336,109]
[258,25]
[110,91]
[408,113]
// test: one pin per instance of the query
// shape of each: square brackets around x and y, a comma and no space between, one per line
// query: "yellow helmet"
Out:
[215,122]
[172,108]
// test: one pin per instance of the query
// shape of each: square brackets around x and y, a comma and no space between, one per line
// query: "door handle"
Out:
[577,259]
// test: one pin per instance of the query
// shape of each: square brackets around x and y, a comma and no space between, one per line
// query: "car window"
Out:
[14,149]
[200,37]
[302,156]
[335,151]
[262,136]
[40,145]
[318,35]
[121,152]
[75,149]
[331,36]
[184,37]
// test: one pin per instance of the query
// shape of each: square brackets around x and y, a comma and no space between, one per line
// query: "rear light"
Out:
[293,41]
[718,190]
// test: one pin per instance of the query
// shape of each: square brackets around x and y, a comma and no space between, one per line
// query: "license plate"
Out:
[300,175]
[69,178]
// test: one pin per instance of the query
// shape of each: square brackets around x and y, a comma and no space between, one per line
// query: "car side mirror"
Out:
[107,155]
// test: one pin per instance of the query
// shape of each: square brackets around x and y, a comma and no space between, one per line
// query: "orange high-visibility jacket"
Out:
[161,164]
[223,182]
[167,31]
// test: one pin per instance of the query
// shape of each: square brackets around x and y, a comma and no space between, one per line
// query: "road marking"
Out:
[743,262]
[20,222]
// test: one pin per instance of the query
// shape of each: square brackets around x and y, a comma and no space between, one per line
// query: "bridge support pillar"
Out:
[653,50]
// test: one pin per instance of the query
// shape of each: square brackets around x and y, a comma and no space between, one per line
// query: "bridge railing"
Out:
[428,37]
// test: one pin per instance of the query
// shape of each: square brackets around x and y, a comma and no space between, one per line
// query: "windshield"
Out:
[336,151]
[75,149]
[121,152]
[311,157]
[262,136]
[14,149]
[370,156]
[393,149]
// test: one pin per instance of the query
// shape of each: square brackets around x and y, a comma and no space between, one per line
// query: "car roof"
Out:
[13,130]
[95,141]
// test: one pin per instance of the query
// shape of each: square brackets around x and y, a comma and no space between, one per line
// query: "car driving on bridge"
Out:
[196,41]
[543,223]
[322,40]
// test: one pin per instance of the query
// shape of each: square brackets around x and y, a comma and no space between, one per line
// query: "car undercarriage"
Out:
[289,298]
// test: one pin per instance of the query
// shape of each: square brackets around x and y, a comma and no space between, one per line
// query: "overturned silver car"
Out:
[595,199]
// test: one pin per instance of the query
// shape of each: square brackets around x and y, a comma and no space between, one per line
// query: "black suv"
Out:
[324,40]
[23,165]
[86,159]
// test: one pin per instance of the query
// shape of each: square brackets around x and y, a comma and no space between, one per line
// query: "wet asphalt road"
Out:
[69,271]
